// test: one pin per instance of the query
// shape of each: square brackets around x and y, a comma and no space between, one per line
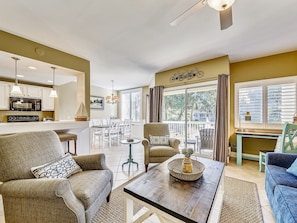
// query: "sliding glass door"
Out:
[188,110]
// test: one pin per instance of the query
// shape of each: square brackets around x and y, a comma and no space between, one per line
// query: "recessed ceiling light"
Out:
[19,75]
[50,81]
[32,68]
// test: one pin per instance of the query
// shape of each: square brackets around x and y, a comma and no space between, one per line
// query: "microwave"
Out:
[24,104]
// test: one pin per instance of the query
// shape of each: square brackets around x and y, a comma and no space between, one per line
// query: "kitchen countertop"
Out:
[16,127]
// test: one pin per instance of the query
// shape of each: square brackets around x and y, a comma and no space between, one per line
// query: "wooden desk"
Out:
[258,135]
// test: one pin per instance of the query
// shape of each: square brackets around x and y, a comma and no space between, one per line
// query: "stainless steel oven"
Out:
[24,104]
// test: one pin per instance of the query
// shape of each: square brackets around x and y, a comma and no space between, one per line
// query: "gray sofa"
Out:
[27,199]
[281,186]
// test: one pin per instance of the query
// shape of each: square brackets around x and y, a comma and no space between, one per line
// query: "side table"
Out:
[130,158]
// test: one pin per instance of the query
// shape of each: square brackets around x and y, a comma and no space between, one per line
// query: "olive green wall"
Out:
[274,66]
[211,69]
[19,46]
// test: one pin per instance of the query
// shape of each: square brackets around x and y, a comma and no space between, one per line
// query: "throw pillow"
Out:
[159,140]
[61,168]
[293,168]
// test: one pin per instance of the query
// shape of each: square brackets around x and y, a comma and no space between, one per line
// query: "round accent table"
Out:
[130,158]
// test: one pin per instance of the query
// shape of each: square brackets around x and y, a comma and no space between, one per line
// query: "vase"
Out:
[187,165]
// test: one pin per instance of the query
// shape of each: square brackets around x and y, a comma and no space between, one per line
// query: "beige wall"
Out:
[109,109]
[67,100]
[20,46]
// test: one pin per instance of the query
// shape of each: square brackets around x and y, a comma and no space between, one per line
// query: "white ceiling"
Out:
[130,40]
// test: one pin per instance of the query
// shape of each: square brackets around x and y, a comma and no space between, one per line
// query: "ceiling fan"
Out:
[223,6]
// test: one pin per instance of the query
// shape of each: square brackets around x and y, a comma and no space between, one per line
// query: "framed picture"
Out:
[97,102]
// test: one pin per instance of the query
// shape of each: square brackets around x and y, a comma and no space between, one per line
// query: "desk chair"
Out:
[286,143]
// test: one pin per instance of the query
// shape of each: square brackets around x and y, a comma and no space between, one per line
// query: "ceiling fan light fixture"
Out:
[220,5]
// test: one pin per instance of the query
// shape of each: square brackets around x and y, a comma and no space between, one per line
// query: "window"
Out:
[270,103]
[188,109]
[131,104]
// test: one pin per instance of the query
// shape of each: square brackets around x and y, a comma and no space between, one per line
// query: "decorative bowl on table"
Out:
[130,140]
[176,170]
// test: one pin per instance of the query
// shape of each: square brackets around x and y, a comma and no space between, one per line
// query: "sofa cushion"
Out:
[162,151]
[159,140]
[293,168]
[287,204]
[87,185]
[279,176]
[60,168]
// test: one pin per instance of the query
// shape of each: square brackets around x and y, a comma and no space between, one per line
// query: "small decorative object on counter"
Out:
[81,114]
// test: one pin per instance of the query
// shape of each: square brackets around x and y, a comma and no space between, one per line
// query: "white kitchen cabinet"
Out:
[28,91]
[33,91]
[4,96]
[48,103]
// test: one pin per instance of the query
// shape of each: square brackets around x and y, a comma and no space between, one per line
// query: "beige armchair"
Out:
[26,199]
[158,147]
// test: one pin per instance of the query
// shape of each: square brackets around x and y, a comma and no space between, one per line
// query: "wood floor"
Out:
[118,154]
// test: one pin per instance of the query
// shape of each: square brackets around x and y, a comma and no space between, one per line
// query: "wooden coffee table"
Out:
[175,200]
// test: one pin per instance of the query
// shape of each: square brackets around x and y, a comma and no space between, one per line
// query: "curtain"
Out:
[156,102]
[221,125]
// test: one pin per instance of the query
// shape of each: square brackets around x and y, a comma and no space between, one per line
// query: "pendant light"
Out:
[16,90]
[112,99]
[53,93]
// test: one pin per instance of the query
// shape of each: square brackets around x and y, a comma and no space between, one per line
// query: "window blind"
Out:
[281,103]
[270,102]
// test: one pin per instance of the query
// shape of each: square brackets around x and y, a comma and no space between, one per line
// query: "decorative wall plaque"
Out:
[187,75]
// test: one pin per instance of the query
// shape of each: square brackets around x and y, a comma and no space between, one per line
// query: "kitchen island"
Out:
[81,128]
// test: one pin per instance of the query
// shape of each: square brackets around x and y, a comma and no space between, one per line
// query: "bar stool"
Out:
[67,137]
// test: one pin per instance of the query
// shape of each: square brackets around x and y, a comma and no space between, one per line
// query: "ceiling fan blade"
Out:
[188,13]
[226,18]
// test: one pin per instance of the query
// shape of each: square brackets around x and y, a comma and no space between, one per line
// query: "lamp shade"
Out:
[16,90]
[220,5]
[53,93]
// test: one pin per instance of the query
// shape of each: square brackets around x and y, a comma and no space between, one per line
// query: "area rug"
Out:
[241,204]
